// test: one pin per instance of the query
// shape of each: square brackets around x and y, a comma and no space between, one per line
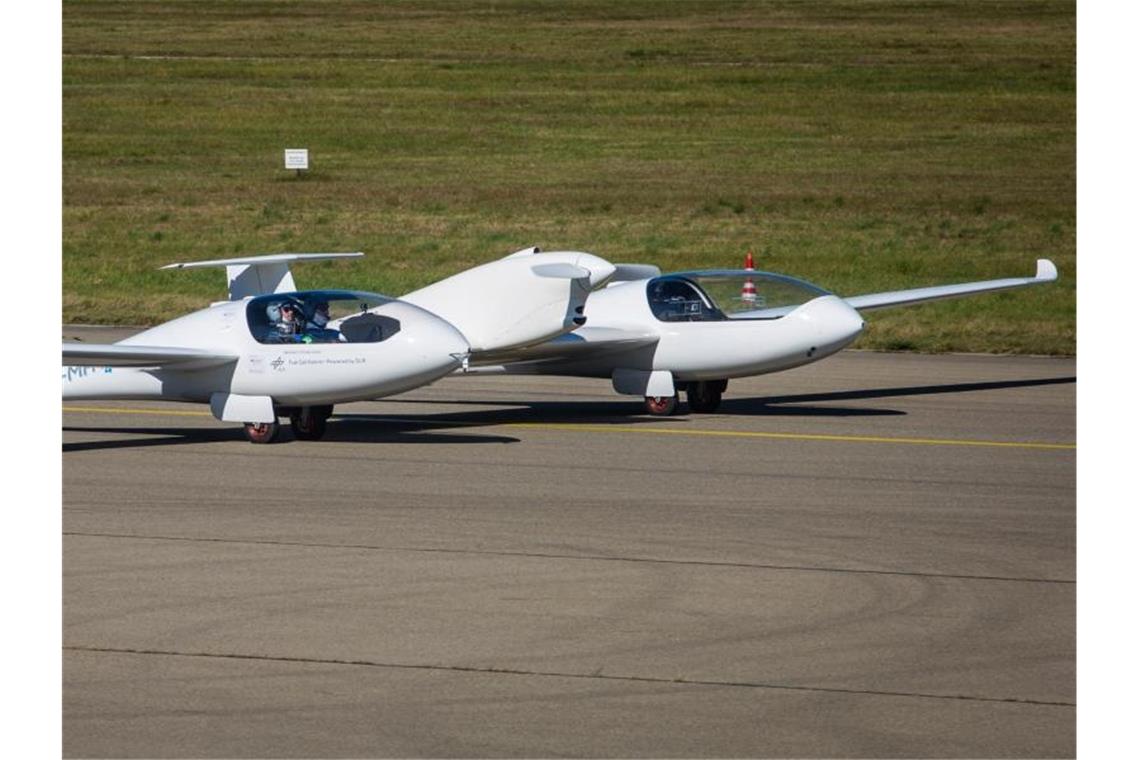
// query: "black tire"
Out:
[309,422]
[661,406]
[704,397]
[262,432]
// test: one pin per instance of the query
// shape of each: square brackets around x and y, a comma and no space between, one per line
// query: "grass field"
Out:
[864,146]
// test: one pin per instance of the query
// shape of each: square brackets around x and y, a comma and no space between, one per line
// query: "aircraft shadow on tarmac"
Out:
[632,412]
[342,431]
[776,403]
[410,429]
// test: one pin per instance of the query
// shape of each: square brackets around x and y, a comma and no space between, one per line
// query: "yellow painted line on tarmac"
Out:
[790,436]
[124,410]
[589,428]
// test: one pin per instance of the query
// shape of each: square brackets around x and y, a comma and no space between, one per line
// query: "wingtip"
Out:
[1046,270]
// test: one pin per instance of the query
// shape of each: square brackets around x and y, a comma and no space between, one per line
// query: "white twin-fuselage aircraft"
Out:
[272,350]
[655,335]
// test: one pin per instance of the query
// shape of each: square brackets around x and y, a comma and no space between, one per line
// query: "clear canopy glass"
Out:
[729,294]
[320,316]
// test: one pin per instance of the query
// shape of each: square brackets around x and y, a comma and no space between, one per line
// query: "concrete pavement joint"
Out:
[551,674]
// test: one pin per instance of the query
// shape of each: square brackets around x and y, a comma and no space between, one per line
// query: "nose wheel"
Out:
[661,406]
[262,432]
[309,422]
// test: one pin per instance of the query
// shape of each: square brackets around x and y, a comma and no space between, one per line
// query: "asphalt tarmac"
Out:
[873,556]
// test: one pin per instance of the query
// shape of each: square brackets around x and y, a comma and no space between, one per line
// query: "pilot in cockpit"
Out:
[286,325]
[316,329]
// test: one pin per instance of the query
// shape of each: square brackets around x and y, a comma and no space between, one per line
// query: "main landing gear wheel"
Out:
[704,396]
[661,406]
[309,422]
[262,432]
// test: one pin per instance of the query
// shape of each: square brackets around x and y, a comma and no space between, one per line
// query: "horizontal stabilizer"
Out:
[561,271]
[1046,272]
[84,354]
[269,258]
[259,275]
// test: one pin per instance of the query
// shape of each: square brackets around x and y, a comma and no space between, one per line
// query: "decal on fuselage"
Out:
[284,362]
[322,360]
[77,373]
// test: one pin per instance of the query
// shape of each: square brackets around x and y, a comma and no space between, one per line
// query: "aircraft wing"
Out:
[1046,272]
[583,344]
[88,354]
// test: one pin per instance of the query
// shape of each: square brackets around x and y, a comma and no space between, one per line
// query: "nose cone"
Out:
[848,322]
[600,269]
[834,323]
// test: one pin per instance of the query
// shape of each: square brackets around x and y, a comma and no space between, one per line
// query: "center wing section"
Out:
[581,346]
[521,300]
[1046,272]
[85,354]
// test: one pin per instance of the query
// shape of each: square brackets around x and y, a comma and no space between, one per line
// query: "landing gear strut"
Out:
[661,406]
[262,432]
[704,395]
[309,422]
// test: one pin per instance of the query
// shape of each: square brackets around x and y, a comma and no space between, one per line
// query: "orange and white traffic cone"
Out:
[748,292]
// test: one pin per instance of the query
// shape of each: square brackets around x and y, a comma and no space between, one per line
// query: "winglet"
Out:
[1046,270]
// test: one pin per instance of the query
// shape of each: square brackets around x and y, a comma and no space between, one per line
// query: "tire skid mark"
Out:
[576,557]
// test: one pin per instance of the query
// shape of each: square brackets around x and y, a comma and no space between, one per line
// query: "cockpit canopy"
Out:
[730,294]
[320,316]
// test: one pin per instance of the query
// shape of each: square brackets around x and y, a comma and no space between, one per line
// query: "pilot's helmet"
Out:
[273,311]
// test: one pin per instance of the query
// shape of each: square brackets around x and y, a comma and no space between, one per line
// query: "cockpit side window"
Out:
[320,317]
[678,300]
[728,294]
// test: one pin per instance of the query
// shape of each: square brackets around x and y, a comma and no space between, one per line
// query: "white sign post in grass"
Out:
[297,158]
